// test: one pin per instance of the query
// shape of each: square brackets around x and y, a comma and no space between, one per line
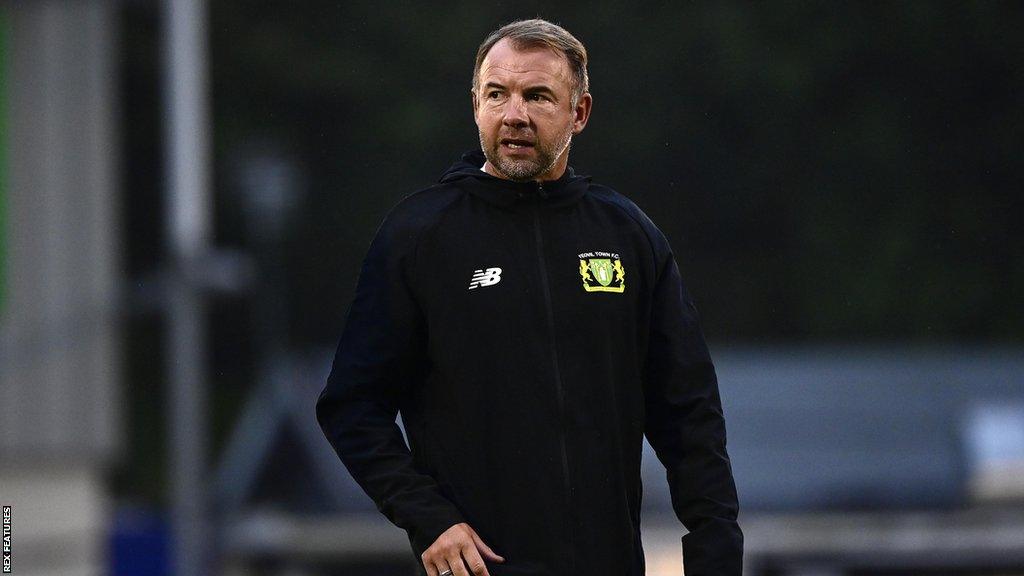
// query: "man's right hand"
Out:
[460,550]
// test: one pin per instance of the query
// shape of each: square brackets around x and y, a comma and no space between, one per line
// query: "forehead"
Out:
[506,64]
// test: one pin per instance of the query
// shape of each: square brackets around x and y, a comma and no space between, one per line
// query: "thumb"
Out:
[484,549]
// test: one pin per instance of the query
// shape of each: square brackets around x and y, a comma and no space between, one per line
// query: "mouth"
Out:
[516,144]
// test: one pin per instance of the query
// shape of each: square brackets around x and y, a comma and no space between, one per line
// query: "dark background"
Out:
[826,172]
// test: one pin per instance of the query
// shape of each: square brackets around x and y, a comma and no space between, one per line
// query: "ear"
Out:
[582,113]
[475,105]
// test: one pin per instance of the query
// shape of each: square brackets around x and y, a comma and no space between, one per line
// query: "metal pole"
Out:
[188,238]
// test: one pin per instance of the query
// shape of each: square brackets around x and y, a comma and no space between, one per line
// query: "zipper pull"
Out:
[540,190]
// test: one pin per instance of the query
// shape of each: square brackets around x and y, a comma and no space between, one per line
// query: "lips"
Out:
[516,143]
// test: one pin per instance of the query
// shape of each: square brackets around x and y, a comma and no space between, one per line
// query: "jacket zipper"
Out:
[549,310]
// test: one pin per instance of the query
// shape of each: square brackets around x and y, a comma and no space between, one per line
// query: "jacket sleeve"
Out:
[379,358]
[686,427]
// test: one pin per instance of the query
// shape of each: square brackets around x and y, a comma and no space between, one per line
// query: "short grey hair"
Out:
[540,33]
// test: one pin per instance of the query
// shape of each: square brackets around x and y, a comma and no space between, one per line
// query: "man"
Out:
[531,327]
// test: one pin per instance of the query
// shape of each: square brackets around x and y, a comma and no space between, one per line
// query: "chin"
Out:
[521,171]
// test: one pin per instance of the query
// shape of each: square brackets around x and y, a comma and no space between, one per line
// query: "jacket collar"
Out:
[507,193]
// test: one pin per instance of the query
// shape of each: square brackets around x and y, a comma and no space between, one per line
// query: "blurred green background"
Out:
[825,171]
[841,183]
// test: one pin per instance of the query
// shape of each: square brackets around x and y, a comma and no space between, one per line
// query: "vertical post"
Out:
[188,209]
[3,156]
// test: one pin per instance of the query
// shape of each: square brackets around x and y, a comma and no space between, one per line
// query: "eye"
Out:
[537,97]
[493,94]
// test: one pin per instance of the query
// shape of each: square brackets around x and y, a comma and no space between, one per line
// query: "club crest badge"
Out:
[602,272]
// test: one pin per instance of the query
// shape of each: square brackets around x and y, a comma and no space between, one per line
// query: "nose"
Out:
[515,112]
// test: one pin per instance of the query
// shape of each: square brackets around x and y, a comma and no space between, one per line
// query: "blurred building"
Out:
[59,357]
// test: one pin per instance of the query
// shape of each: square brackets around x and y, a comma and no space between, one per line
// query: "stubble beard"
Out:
[526,169]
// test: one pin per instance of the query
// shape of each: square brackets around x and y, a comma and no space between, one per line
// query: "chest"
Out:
[587,268]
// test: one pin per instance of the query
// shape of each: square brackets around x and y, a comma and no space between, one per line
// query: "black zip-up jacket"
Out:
[530,335]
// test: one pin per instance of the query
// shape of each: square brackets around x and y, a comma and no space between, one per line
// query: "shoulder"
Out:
[618,201]
[420,209]
[414,213]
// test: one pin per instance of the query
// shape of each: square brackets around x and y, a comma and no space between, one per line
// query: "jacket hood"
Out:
[505,193]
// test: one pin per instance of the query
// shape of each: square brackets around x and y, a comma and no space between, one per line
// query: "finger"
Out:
[474,561]
[441,564]
[486,550]
[457,565]
[429,566]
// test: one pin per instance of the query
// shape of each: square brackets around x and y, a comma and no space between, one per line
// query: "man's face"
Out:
[524,111]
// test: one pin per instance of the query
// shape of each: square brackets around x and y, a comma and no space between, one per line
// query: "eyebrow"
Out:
[530,89]
[540,88]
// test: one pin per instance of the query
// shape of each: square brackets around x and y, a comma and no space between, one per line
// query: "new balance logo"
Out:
[486,277]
